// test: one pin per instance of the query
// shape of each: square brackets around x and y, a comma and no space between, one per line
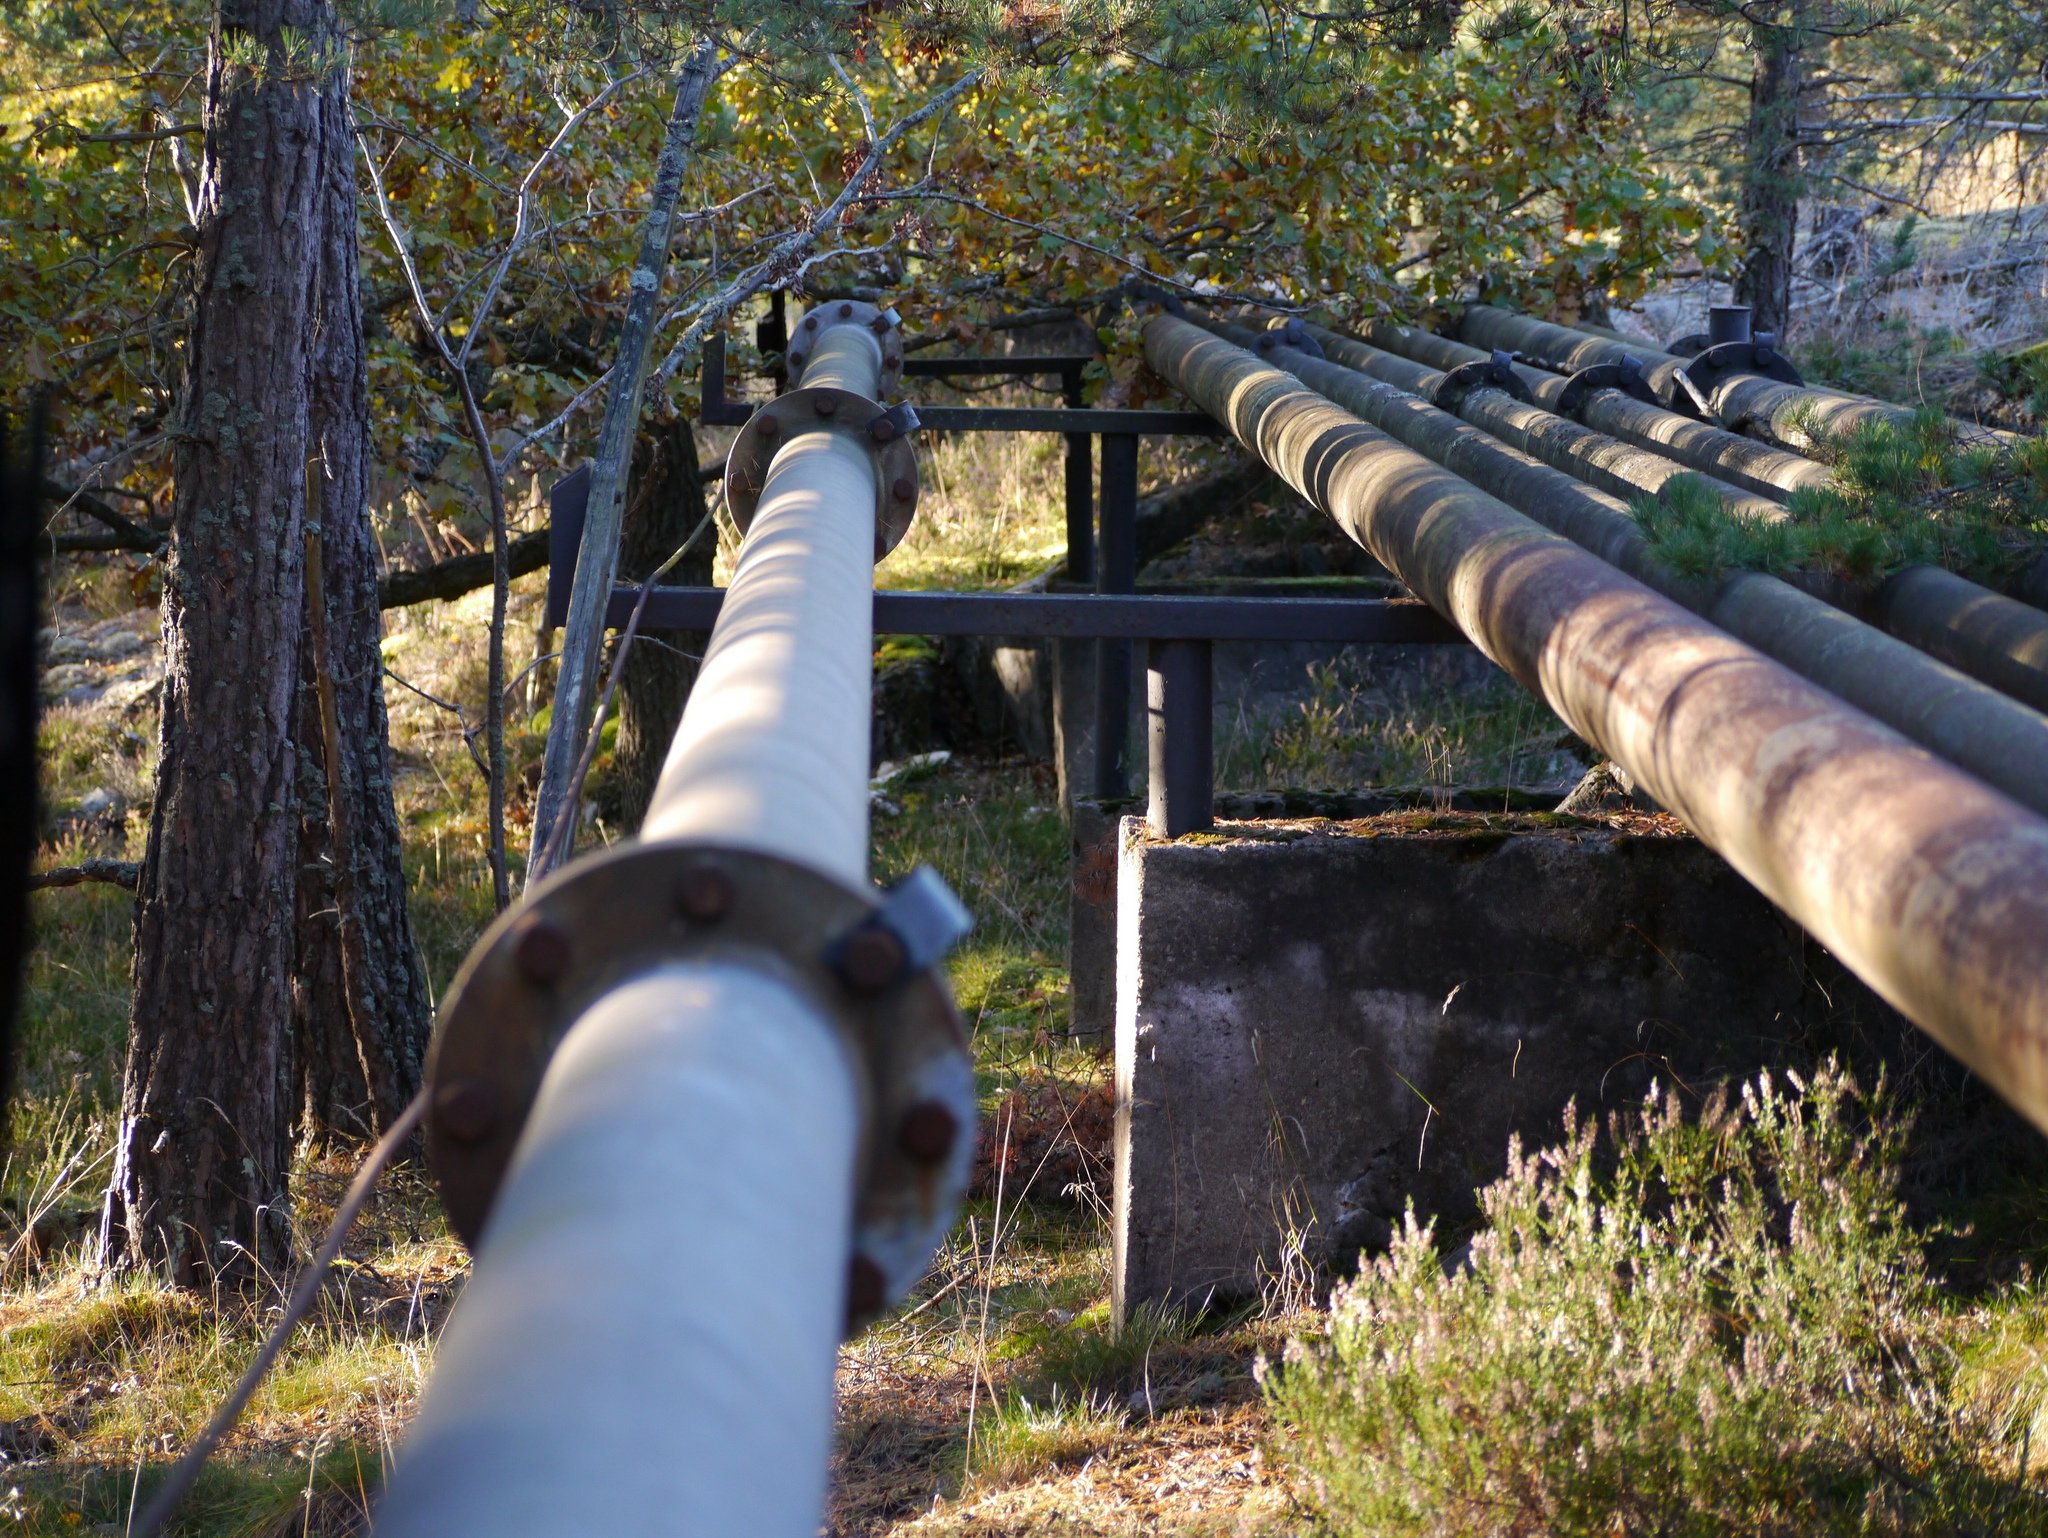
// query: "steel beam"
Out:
[1117,572]
[1089,616]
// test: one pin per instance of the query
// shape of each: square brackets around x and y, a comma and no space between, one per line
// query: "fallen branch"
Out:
[123,873]
[462,573]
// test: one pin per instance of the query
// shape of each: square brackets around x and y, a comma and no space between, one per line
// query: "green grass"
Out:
[1357,730]
[1019,1438]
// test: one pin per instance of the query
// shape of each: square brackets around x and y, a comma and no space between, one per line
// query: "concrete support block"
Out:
[1317,1023]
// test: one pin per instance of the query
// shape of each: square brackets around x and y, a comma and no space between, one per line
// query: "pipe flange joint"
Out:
[1496,372]
[867,961]
[1626,375]
[885,431]
[886,326]
[1692,388]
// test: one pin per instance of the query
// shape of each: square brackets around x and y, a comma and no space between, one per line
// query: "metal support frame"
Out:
[1180,736]
[1116,572]
[1080,489]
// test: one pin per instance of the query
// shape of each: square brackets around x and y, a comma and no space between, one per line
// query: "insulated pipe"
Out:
[649,1343]
[1972,726]
[1930,885]
[1998,639]
[772,752]
[1783,414]
[1607,462]
[1744,462]
[676,1219]
[1995,640]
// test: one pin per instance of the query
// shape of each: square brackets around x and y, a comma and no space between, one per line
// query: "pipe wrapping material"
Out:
[677,1217]
[1605,461]
[1758,467]
[2000,640]
[1930,885]
[1783,414]
[772,752]
[1971,725]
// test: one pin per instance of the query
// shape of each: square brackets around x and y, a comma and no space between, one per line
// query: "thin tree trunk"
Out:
[659,670]
[1771,180]
[199,1183]
[598,564]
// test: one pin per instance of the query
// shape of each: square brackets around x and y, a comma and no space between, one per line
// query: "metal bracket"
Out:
[919,921]
[1691,390]
[1626,376]
[618,914]
[1495,373]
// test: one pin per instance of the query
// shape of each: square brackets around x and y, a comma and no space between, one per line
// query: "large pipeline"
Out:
[1784,414]
[1930,885]
[1596,457]
[673,1251]
[1744,462]
[1996,640]
[1972,726]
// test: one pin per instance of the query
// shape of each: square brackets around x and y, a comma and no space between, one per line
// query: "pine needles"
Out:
[1904,495]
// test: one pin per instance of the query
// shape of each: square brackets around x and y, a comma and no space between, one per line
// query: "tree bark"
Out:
[659,669]
[202,1154]
[360,1013]
[1771,181]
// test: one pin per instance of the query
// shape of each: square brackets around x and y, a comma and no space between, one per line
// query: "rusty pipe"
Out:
[1930,885]
[1745,462]
[1967,723]
[1787,415]
[2000,640]
[1605,461]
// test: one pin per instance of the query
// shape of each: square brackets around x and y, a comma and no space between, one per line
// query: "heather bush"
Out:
[1714,1324]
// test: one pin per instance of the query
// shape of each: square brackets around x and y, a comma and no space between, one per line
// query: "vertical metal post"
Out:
[1116,572]
[1179,708]
[1080,490]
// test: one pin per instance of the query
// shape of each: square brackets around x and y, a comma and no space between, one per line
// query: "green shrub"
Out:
[1904,495]
[1718,1325]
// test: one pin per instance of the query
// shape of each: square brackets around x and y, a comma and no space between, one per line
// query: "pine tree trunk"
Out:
[360,1012]
[1771,182]
[667,507]
[201,1163]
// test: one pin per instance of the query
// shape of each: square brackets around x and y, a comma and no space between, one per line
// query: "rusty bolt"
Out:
[927,1131]
[826,402]
[704,892]
[541,953]
[796,360]
[810,323]
[866,1288]
[465,1110]
[903,489]
[872,959]
[769,428]
[881,429]
[879,325]
[845,311]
